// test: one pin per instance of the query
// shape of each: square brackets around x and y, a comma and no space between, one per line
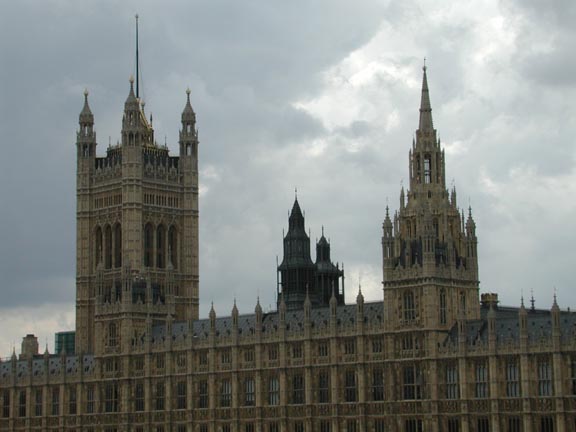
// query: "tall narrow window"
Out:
[173,246]
[413,425]
[225,393]
[148,245]
[453,425]
[139,397]
[512,379]
[98,251]
[22,403]
[573,374]
[181,395]
[514,424]
[56,401]
[323,387]
[544,378]
[547,424]
[463,302]
[112,335]
[249,395]
[72,402]
[412,382]
[298,389]
[427,169]
[117,246]
[452,382]
[38,402]
[481,388]
[160,242]
[111,398]
[483,424]
[350,386]
[377,384]
[442,306]
[409,307]
[273,391]
[203,394]
[90,399]
[6,403]
[108,247]
[324,425]
[159,396]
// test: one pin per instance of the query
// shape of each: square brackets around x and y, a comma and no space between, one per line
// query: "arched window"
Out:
[160,246]
[409,306]
[463,302]
[118,246]
[98,246]
[148,245]
[173,246]
[442,306]
[108,247]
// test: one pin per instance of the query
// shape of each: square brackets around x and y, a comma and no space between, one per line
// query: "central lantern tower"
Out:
[429,248]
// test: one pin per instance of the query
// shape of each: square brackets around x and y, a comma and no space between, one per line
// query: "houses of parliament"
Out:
[432,355]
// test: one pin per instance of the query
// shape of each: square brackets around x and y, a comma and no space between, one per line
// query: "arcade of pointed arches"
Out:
[160,245]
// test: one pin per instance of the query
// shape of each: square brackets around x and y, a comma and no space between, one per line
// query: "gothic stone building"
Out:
[429,357]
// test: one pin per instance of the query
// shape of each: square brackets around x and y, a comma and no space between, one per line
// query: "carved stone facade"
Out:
[429,357]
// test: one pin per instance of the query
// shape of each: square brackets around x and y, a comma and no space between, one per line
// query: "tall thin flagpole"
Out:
[137,62]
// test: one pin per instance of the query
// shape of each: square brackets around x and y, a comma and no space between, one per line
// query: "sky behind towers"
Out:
[321,96]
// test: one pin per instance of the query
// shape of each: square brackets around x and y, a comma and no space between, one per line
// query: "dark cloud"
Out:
[322,96]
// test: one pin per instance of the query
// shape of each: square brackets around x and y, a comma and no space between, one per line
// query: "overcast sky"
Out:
[317,95]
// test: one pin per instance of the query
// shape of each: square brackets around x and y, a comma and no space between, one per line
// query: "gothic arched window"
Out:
[108,247]
[118,246]
[98,246]
[160,246]
[148,245]
[173,246]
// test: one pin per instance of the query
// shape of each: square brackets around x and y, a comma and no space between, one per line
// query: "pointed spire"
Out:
[360,297]
[86,113]
[258,308]
[188,112]
[425,107]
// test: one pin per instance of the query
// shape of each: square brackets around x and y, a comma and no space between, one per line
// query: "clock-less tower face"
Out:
[137,229]
[429,249]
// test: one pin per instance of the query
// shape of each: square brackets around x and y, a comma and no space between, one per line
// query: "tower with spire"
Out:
[137,230]
[300,278]
[429,251]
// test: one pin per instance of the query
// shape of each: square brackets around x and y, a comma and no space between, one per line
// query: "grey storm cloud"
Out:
[319,96]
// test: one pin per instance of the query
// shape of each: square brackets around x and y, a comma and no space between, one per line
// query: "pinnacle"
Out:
[425,106]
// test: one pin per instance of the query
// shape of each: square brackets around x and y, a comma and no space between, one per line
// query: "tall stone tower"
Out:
[137,230]
[429,250]
[300,277]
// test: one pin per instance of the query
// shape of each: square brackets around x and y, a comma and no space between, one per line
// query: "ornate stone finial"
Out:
[424,65]
[188,91]
[131,79]
[86,93]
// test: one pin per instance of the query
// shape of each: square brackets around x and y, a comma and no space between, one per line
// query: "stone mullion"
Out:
[494,392]
[524,365]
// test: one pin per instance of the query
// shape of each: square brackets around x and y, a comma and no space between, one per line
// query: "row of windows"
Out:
[162,200]
[512,380]
[295,351]
[160,246]
[107,201]
[110,399]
